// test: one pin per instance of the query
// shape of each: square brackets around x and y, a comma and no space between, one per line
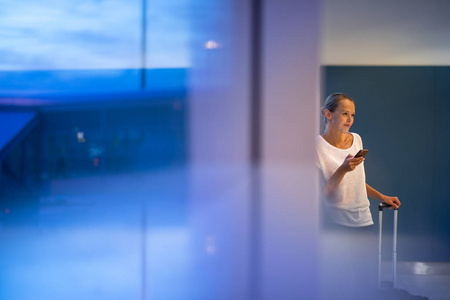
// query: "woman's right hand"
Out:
[350,163]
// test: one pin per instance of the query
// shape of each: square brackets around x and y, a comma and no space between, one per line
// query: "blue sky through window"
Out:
[92,34]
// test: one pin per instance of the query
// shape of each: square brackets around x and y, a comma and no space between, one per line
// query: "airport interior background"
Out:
[155,149]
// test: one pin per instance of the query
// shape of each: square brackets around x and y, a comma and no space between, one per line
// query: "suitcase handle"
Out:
[382,205]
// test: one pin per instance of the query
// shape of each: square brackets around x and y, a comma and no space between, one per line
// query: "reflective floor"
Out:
[136,236]
[91,240]
[430,279]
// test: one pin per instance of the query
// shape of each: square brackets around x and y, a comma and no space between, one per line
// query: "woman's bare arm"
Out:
[373,193]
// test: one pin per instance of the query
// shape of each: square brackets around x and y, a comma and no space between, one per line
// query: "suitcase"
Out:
[390,290]
[394,247]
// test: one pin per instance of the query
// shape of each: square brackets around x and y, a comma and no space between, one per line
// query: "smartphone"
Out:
[361,153]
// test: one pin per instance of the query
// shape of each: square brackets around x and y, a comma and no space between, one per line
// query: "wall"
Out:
[401,32]
[399,116]
[397,106]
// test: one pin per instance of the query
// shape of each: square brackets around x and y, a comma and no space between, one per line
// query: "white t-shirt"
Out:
[350,205]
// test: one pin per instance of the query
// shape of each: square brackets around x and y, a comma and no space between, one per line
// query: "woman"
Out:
[349,251]
[345,187]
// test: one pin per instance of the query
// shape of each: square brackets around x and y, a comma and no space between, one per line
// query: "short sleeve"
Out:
[359,141]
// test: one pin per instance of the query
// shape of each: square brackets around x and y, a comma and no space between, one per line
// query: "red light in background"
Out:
[96,162]
[6,211]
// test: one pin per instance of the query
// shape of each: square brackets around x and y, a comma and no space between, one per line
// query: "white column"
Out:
[219,150]
[290,124]
[220,175]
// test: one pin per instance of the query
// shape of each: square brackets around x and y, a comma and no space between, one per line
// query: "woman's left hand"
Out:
[393,201]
